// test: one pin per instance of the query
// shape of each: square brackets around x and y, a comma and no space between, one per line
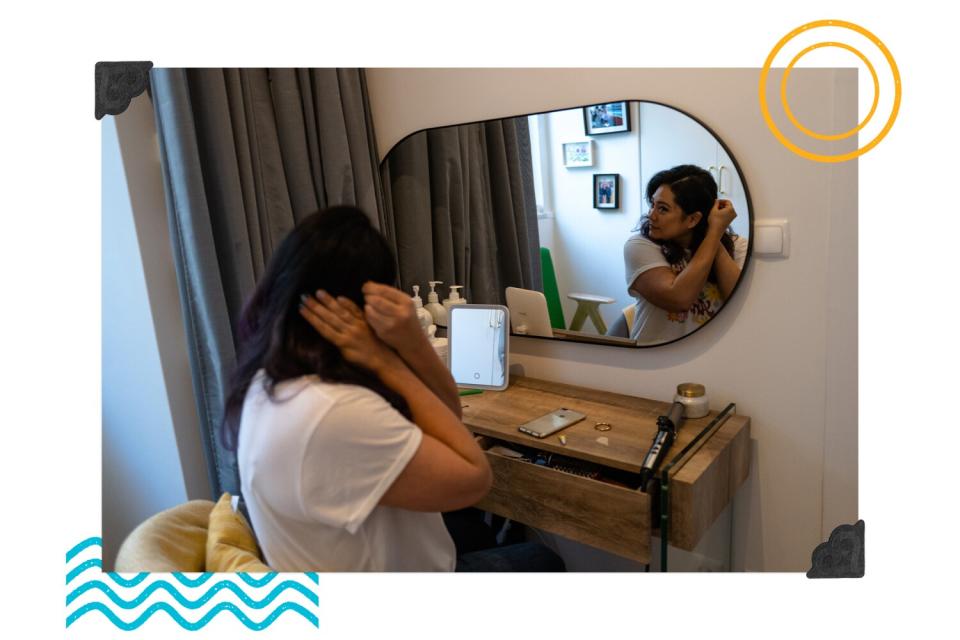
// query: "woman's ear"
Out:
[693,219]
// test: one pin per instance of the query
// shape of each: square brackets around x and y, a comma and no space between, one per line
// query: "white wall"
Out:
[587,246]
[152,457]
[785,348]
[141,466]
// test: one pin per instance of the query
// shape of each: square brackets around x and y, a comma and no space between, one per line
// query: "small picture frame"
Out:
[612,117]
[578,154]
[606,191]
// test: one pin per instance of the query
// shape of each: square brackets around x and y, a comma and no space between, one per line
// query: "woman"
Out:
[684,262]
[347,425]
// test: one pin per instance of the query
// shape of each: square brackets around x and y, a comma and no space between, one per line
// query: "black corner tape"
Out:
[842,556]
[117,83]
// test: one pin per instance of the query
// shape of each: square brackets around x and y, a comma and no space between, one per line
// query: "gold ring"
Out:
[602,426]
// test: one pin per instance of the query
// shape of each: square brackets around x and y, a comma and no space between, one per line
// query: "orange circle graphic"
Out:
[817,157]
[823,136]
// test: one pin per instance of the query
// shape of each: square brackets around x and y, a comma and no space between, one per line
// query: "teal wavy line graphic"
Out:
[193,626]
[127,582]
[254,582]
[89,542]
[99,583]
[117,578]
[179,577]
[83,566]
[203,577]
[191,582]
[186,602]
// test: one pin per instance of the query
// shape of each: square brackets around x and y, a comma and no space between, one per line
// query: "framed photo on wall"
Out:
[578,154]
[612,117]
[606,191]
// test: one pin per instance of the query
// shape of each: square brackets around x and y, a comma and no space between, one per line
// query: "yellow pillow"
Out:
[231,546]
[172,540]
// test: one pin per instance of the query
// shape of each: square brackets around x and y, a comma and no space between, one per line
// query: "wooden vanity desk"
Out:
[609,516]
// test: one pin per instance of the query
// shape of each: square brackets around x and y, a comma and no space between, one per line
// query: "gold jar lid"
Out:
[691,390]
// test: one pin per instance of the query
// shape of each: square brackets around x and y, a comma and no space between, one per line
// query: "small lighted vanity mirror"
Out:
[561,204]
[479,340]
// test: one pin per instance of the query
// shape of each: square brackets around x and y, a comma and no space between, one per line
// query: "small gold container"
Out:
[694,399]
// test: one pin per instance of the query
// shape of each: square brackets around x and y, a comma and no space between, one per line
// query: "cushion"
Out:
[231,546]
[172,540]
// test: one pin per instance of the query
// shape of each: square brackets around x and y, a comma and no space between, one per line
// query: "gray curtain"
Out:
[246,154]
[460,208]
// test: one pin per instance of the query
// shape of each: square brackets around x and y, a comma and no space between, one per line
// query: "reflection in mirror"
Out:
[478,346]
[632,221]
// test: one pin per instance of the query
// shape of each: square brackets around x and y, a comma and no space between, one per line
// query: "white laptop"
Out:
[529,315]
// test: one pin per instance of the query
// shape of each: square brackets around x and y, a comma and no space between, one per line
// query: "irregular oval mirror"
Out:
[626,223]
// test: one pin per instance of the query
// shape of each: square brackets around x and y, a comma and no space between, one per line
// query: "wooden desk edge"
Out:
[704,487]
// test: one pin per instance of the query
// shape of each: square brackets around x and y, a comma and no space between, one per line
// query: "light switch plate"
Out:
[771,237]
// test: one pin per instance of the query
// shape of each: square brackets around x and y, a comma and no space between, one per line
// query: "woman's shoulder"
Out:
[639,249]
[639,239]
[313,391]
[361,409]
[336,392]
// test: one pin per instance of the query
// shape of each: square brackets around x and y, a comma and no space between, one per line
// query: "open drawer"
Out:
[604,515]
[713,462]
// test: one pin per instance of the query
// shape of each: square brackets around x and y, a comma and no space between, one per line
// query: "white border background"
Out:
[50,336]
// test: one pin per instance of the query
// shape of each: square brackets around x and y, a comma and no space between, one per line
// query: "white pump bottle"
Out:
[454,298]
[437,310]
[423,316]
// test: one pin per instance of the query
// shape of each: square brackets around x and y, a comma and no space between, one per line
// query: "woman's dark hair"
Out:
[694,189]
[336,250]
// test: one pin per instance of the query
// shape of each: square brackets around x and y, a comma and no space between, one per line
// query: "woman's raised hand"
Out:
[722,215]
[392,316]
[341,322]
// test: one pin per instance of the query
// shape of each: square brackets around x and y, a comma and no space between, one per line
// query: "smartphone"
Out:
[551,423]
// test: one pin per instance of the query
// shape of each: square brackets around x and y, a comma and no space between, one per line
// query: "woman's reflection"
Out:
[684,261]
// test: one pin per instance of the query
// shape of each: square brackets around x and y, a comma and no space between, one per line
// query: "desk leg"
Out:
[664,521]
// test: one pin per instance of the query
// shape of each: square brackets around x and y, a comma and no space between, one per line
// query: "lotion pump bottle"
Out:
[423,316]
[437,310]
[454,298]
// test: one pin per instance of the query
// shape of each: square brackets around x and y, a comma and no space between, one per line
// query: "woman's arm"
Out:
[728,272]
[449,470]
[427,365]
[393,318]
[678,292]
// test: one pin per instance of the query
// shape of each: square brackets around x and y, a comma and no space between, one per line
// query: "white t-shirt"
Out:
[314,462]
[652,324]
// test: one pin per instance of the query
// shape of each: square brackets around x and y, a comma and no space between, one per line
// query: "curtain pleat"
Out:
[204,304]
[461,209]
[246,154]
